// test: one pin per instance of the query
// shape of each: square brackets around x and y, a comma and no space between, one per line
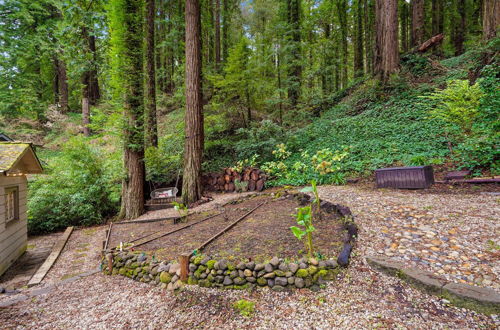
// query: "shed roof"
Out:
[18,158]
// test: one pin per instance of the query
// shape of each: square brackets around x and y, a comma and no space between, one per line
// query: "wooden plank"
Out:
[159,234]
[228,227]
[51,259]
[147,220]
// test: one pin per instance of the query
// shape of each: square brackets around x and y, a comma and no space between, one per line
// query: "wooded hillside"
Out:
[301,89]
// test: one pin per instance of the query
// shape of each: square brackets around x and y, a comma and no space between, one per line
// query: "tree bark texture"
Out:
[217,33]
[151,131]
[193,149]
[358,48]
[417,22]
[404,26]
[342,7]
[491,18]
[460,28]
[86,116]
[90,79]
[133,109]
[294,66]
[387,50]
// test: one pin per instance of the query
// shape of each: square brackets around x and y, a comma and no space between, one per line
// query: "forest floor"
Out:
[453,233]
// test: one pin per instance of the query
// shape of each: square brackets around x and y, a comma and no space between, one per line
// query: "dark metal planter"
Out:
[418,177]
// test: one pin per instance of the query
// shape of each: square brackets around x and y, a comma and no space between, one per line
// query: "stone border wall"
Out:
[482,300]
[278,274]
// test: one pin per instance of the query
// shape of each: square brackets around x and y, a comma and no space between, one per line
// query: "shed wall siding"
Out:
[14,235]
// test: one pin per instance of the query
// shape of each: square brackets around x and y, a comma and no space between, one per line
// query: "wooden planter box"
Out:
[418,177]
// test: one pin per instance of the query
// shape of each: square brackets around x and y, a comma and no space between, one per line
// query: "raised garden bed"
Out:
[245,243]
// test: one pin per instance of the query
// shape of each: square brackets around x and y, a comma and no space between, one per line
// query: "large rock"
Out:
[241,266]
[268,268]
[275,262]
[227,280]
[278,288]
[282,281]
[239,281]
[283,267]
[174,268]
[299,282]
[270,275]
[250,265]
[293,267]
[247,273]
[259,267]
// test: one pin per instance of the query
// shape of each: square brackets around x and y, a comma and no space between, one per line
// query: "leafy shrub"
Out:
[164,162]
[261,139]
[79,190]
[458,104]
[416,64]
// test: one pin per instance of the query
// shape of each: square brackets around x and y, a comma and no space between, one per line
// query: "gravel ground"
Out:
[452,235]
[360,298]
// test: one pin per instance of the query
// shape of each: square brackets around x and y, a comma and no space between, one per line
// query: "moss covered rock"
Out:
[197,260]
[302,273]
[261,281]
[211,263]
[192,280]
[312,270]
[165,277]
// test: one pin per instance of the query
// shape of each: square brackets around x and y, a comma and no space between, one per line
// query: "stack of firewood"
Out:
[250,179]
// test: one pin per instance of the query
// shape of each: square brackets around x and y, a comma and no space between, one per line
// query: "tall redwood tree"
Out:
[386,47]
[193,148]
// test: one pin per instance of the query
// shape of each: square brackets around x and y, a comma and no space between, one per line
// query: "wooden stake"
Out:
[110,263]
[184,263]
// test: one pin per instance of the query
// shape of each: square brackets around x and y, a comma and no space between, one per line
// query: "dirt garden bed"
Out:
[262,234]
[245,242]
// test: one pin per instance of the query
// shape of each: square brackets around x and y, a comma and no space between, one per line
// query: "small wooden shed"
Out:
[16,161]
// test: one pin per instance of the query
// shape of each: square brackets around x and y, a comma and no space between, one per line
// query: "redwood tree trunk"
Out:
[63,87]
[90,79]
[417,22]
[342,7]
[193,149]
[217,33]
[358,48]
[387,50]
[491,18]
[151,131]
[86,116]
[460,28]
[404,26]
[294,66]
[132,85]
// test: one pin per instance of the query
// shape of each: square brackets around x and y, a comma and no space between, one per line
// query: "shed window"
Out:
[12,203]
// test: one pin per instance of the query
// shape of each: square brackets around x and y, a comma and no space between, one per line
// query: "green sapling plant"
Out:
[182,210]
[304,219]
[314,189]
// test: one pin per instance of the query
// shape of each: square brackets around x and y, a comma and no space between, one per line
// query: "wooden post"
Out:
[184,262]
[103,251]
[110,263]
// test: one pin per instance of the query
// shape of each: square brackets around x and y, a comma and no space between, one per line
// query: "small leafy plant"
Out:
[241,186]
[314,189]
[244,307]
[182,210]
[304,219]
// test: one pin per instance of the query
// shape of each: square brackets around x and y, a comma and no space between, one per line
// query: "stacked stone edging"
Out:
[277,274]
[479,299]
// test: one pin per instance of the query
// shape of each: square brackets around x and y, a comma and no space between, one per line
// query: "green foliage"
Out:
[304,220]
[241,186]
[416,64]
[182,210]
[458,104]
[79,190]
[245,307]
[260,138]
